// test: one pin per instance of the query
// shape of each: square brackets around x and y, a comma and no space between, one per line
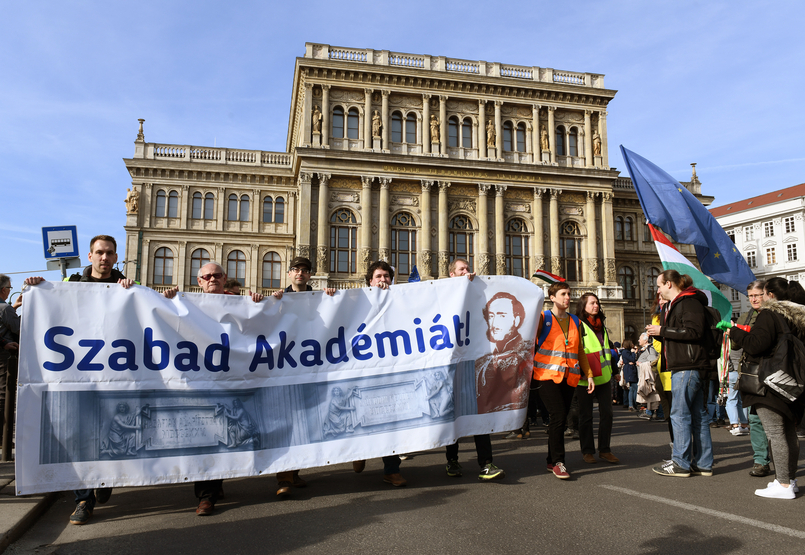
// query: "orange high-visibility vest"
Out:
[553,359]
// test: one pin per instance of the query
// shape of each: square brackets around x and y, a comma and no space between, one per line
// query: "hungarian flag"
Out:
[547,276]
[672,259]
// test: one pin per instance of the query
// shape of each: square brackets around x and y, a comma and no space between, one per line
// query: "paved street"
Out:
[606,509]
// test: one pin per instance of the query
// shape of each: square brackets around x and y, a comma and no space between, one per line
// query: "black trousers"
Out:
[603,393]
[483,447]
[557,398]
[208,489]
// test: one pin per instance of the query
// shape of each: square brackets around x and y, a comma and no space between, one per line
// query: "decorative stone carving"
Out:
[569,117]
[304,251]
[517,207]
[596,144]
[132,200]
[539,262]
[405,101]
[572,210]
[499,190]
[434,129]
[556,265]
[610,270]
[366,181]
[427,261]
[483,264]
[573,198]
[304,177]
[321,260]
[363,260]
[543,140]
[426,185]
[405,201]
[140,134]
[490,134]
[483,188]
[384,254]
[316,120]
[376,125]
[444,263]
[463,204]
[462,107]
[340,196]
[500,264]
[592,263]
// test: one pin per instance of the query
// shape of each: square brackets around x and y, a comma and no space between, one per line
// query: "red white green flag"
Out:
[672,259]
[547,276]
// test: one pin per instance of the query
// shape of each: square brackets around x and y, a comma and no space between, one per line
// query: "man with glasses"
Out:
[299,275]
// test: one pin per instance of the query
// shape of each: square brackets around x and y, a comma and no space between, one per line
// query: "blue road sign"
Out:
[60,241]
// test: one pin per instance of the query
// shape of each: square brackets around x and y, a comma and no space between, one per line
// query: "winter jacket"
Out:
[629,366]
[682,333]
[760,341]
[86,275]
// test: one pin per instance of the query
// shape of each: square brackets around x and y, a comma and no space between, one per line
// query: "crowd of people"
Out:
[669,376]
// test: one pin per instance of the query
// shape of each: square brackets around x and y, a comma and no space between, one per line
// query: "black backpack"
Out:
[712,340]
[784,371]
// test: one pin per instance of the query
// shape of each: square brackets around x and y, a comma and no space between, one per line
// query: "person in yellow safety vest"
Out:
[662,379]
[558,364]
[597,349]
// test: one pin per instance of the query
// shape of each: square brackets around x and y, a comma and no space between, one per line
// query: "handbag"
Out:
[749,378]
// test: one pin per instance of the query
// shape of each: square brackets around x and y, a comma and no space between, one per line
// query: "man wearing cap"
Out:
[299,276]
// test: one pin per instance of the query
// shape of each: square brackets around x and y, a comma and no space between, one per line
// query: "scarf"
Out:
[596,323]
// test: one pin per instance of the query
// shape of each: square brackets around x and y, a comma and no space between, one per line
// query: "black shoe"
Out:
[102,495]
[81,514]
[760,470]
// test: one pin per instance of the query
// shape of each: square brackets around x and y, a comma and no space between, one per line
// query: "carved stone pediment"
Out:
[344,196]
[464,205]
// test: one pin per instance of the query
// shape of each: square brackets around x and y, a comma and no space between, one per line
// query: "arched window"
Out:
[232,208]
[618,228]
[403,243]
[521,137]
[647,233]
[572,143]
[173,204]
[507,136]
[517,248]
[197,206]
[570,250]
[198,258]
[629,332]
[353,122]
[272,270]
[651,282]
[244,208]
[626,281]
[343,241]
[160,209]
[461,239]
[279,211]
[209,206]
[627,229]
[396,127]
[452,131]
[338,122]
[236,267]
[466,133]
[163,266]
[268,210]
[410,129]
[560,141]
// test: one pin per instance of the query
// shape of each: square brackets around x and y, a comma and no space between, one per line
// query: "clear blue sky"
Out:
[707,82]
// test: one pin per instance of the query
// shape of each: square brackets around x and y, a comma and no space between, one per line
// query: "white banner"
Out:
[123,387]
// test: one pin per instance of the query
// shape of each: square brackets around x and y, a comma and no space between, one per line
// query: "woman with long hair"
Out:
[783,304]
[598,350]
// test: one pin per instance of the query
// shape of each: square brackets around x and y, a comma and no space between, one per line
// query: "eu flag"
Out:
[414,275]
[671,207]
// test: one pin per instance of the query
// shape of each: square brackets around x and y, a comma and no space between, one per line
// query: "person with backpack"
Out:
[686,338]
[782,309]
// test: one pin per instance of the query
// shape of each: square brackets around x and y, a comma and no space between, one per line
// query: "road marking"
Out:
[711,512]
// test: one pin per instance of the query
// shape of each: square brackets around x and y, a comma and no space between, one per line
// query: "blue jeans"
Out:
[714,410]
[630,395]
[734,406]
[692,442]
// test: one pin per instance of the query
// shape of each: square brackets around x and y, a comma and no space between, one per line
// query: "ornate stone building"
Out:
[414,159]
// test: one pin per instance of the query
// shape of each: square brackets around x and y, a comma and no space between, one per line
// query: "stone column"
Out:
[325,115]
[384,120]
[498,130]
[444,254]
[384,233]
[306,123]
[482,267]
[425,252]
[184,206]
[556,261]
[443,124]
[180,268]
[536,147]
[425,127]
[222,209]
[552,136]
[303,215]
[256,210]
[592,234]
[500,232]
[538,256]
[481,129]
[367,119]
[253,263]
[588,140]
[602,130]
[323,225]
[607,239]
[365,244]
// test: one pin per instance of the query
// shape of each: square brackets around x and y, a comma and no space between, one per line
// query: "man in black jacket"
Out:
[685,355]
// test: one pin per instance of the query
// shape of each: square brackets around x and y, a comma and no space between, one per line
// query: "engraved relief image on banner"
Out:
[124,387]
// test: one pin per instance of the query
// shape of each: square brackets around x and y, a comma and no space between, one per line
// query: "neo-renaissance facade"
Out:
[414,159]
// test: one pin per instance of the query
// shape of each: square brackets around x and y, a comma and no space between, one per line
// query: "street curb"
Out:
[28,519]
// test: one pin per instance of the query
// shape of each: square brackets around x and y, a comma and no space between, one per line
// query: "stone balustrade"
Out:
[427,62]
[151,151]
[623,184]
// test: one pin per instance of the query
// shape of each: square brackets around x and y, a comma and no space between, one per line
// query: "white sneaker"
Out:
[776,491]
[794,487]
[739,431]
